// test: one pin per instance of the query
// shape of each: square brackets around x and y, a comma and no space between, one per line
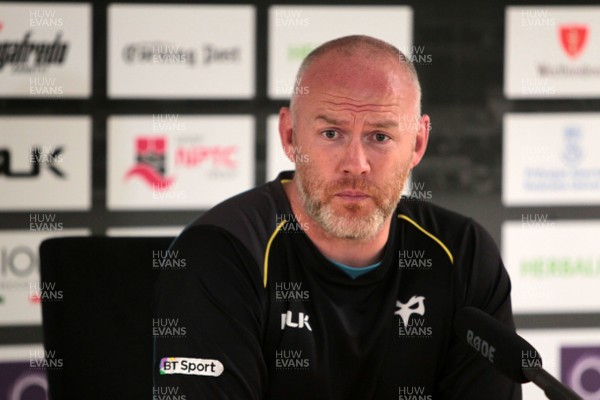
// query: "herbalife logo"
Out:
[167,393]
[561,267]
[291,359]
[413,393]
[409,326]
[287,321]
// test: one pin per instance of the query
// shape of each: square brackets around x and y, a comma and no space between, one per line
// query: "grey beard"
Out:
[352,228]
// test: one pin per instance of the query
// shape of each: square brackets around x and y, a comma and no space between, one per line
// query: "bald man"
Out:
[325,283]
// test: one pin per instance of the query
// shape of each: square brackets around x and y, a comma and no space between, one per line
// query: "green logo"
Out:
[299,52]
[563,267]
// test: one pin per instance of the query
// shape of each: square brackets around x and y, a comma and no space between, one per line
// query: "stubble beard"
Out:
[355,223]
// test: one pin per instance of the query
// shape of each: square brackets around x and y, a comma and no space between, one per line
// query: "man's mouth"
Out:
[352,195]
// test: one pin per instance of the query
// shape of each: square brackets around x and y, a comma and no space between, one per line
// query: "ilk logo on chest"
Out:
[409,325]
[288,321]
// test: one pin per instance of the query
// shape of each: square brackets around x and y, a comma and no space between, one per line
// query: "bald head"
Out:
[351,48]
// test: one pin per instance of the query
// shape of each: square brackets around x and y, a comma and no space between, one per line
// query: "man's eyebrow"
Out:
[385,124]
[330,120]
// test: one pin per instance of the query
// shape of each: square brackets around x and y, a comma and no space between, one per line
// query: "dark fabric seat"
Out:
[97,311]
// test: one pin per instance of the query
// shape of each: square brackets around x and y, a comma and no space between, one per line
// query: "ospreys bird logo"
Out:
[415,305]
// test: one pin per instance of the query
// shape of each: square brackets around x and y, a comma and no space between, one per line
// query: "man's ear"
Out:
[285,132]
[421,139]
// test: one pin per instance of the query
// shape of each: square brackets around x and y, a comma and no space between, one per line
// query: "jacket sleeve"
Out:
[481,281]
[209,319]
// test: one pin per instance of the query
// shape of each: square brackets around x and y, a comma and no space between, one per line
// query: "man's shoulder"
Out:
[251,217]
[450,229]
[432,217]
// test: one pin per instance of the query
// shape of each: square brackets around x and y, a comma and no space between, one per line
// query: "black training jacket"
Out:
[257,312]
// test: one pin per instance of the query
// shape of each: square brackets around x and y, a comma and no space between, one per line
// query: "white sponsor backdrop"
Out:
[181,51]
[551,159]
[68,24]
[577,368]
[554,266]
[552,52]
[19,271]
[65,146]
[206,160]
[276,158]
[296,30]
[144,231]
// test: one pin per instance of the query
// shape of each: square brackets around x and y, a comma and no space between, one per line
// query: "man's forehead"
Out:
[380,120]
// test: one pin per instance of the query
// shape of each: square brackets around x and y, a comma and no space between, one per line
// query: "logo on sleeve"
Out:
[190,366]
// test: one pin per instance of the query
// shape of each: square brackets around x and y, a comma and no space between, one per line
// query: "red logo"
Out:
[35,298]
[573,38]
[150,166]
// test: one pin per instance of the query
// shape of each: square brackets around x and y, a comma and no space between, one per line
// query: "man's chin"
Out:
[353,223]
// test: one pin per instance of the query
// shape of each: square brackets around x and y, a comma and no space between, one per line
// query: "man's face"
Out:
[358,130]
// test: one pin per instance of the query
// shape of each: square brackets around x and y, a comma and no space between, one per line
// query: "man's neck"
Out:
[350,252]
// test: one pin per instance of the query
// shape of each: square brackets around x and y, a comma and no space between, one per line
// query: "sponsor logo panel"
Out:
[552,52]
[21,374]
[294,31]
[194,58]
[45,163]
[193,163]
[551,159]
[571,356]
[45,50]
[555,267]
[21,291]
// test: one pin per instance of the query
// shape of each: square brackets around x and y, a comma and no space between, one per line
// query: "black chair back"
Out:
[97,298]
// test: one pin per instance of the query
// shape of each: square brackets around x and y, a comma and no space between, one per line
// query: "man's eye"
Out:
[381,137]
[329,134]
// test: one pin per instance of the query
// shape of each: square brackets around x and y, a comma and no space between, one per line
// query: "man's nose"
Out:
[355,160]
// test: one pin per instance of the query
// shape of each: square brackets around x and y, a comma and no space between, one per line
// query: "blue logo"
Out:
[572,152]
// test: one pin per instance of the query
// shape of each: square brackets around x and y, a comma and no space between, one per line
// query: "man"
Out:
[325,284]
